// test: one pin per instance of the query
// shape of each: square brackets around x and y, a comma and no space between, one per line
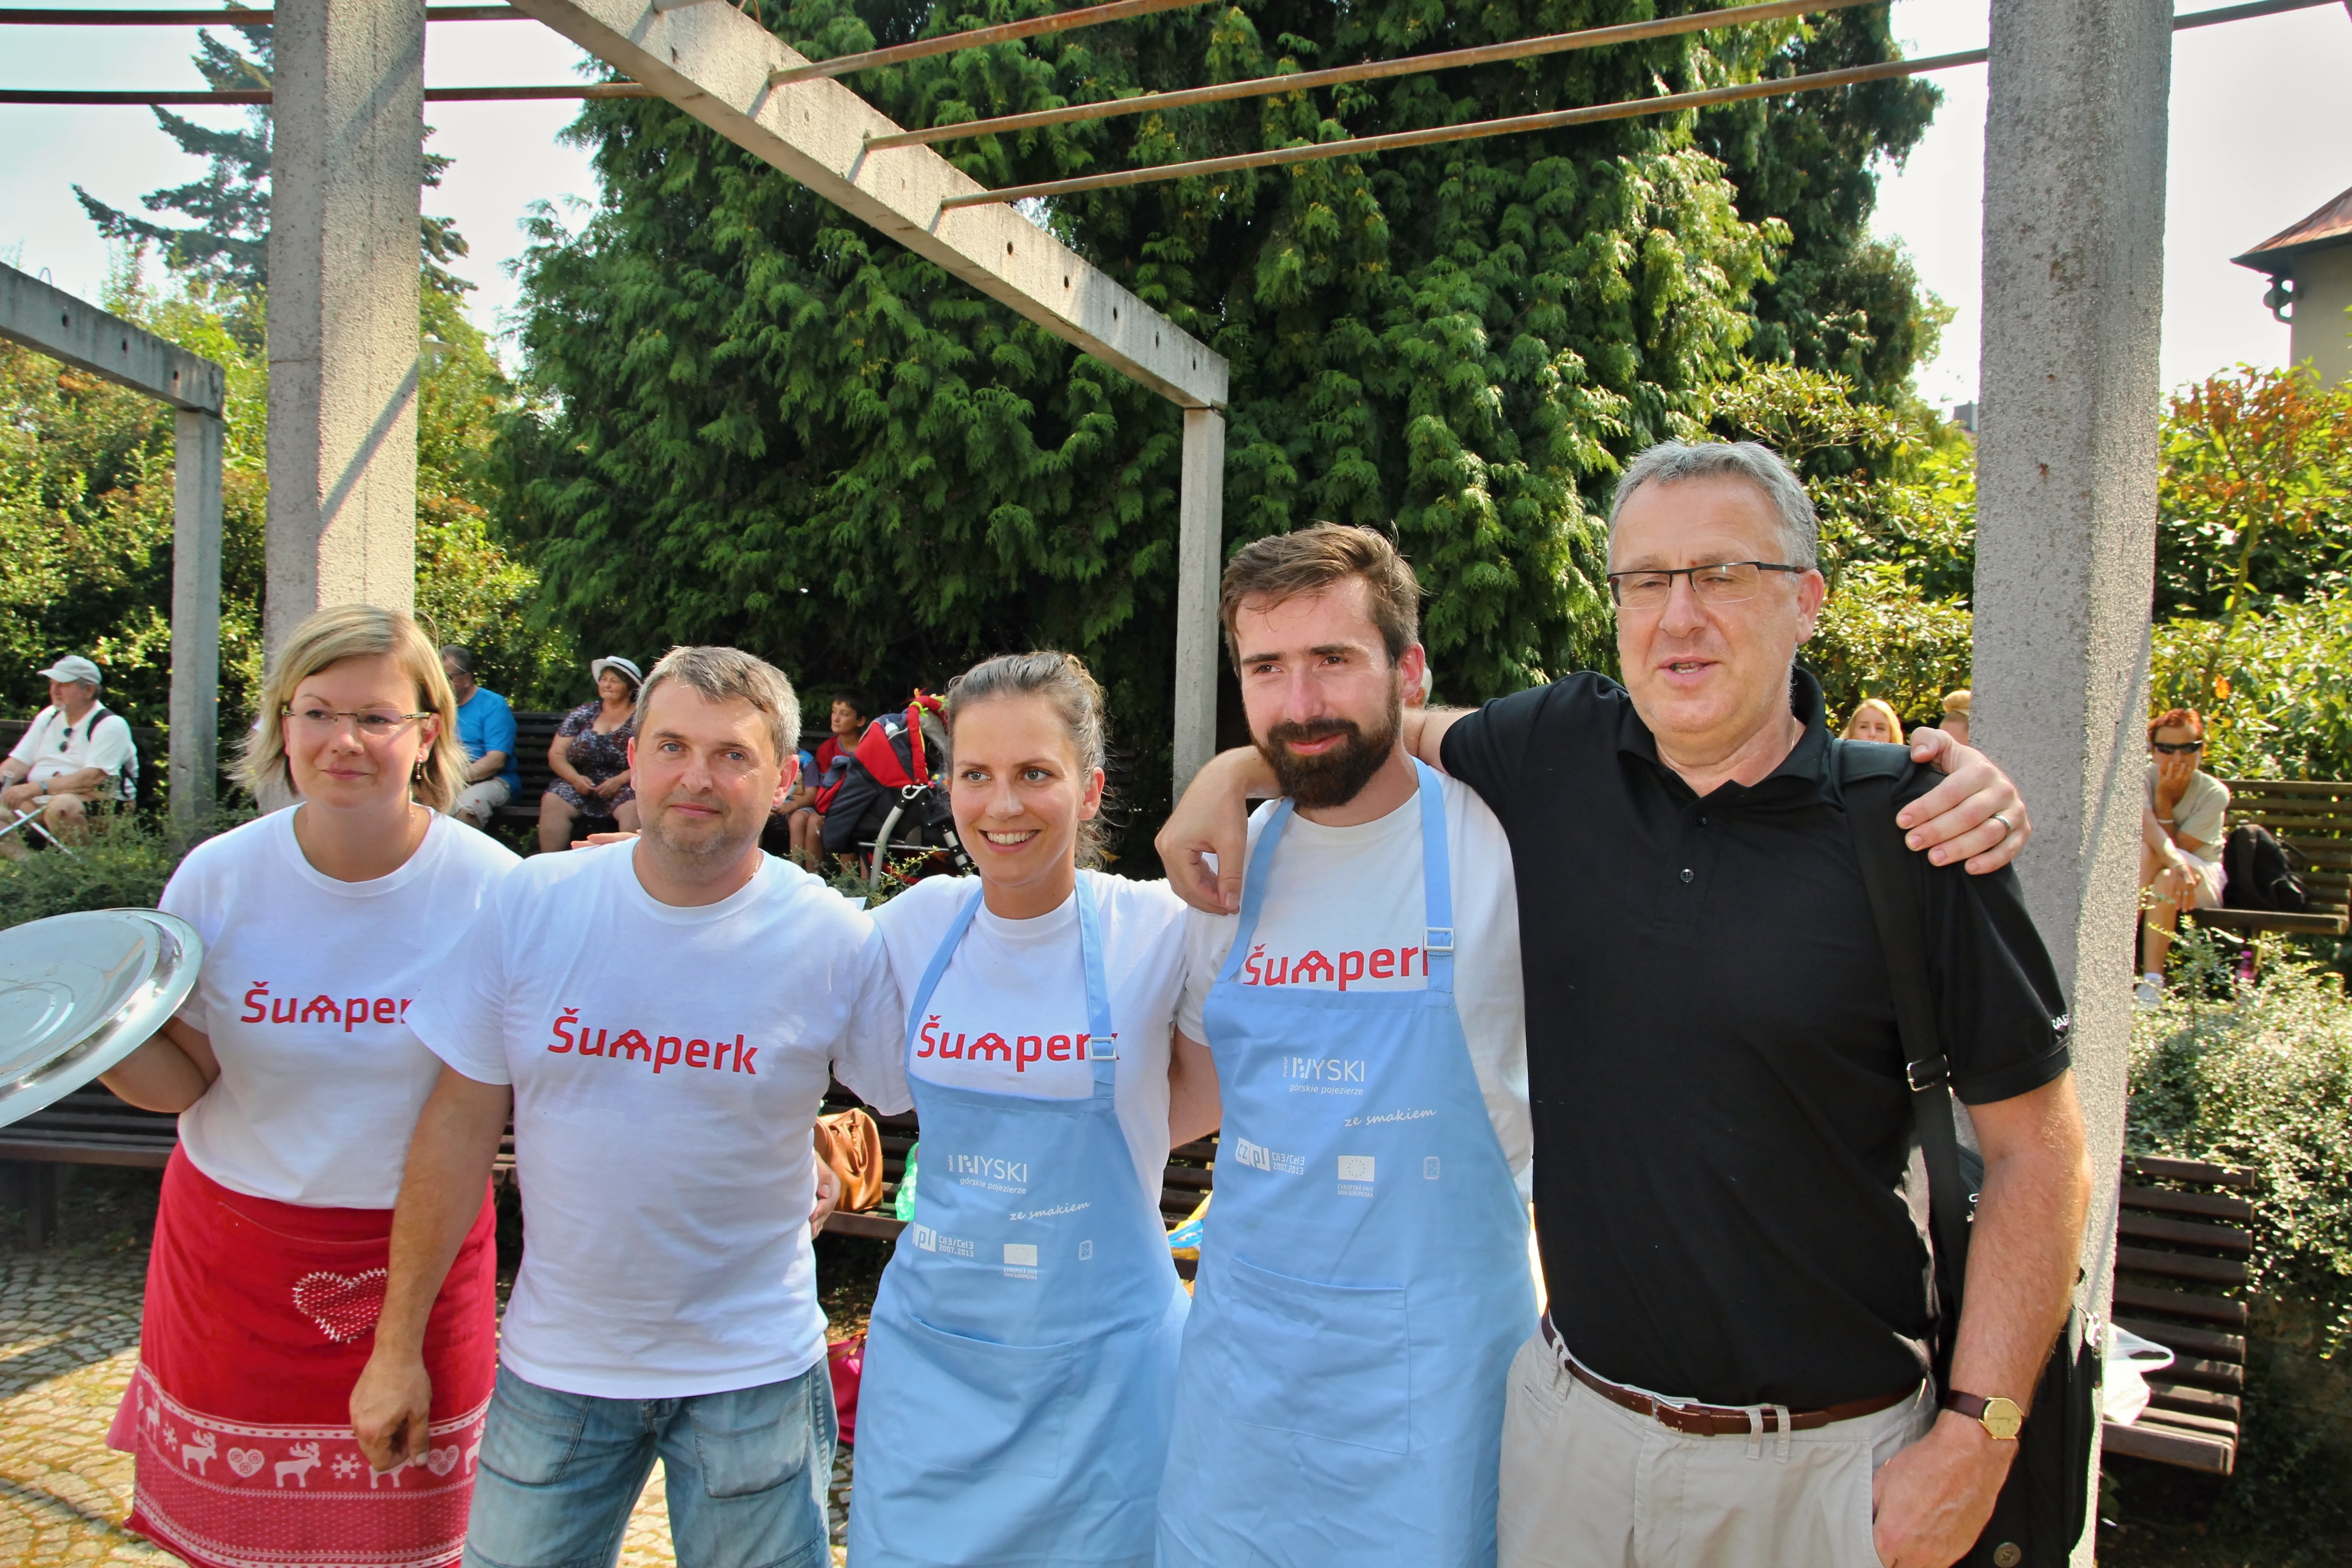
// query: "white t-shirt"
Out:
[1343,906]
[1024,982]
[305,995]
[50,746]
[668,1067]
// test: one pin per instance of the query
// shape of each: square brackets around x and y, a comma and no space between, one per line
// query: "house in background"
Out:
[2310,270]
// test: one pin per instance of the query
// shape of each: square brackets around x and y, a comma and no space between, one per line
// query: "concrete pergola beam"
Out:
[715,63]
[49,320]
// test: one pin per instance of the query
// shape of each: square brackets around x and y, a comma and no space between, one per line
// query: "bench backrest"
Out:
[2311,817]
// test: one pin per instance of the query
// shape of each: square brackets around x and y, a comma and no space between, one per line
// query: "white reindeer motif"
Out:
[375,1475]
[202,1451]
[305,1460]
[151,1414]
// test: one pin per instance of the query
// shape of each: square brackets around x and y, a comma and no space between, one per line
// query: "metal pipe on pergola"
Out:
[948,43]
[67,16]
[1315,151]
[1369,70]
[263,95]
[1771,87]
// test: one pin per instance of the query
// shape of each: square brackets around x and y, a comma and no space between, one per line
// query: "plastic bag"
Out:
[902,1204]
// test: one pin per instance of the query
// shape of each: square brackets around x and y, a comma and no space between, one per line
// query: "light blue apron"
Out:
[1015,1403]
[1364,1279]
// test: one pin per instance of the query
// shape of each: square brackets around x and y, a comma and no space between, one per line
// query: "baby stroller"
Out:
[891,801]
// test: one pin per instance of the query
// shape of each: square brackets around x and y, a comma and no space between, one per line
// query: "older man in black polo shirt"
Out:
[1722,1126]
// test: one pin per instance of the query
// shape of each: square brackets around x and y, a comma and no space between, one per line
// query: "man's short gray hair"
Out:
[718,674]
[1760,465]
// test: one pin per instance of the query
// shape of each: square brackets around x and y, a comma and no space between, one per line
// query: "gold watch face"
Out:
[2002,1418]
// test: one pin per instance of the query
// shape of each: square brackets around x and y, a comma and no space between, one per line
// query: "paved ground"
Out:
[69,1341]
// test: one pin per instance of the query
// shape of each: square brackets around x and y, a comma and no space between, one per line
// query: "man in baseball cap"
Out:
[74,752]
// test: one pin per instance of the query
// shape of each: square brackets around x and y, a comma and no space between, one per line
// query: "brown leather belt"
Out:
[1719,1420]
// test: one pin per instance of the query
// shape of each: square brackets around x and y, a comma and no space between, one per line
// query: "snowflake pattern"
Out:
[171,1437]
[346,1467]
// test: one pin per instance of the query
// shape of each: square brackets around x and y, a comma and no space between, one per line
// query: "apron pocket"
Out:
[984,1407]
[1332,1361]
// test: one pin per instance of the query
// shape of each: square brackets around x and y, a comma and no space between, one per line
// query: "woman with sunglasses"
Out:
[297,1083]
[1016,1394]
[2182,832]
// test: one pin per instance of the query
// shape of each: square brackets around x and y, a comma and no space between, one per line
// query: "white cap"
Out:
[72,667]
[628,666]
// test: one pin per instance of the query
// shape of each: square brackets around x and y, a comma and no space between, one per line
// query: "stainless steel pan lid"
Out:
[80,991]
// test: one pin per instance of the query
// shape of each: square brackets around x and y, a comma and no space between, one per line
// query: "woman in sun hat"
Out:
[590,759]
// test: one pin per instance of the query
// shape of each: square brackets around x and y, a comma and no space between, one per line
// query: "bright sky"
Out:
[2255,147]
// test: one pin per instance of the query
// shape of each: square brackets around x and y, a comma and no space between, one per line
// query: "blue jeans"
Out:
[747,1473]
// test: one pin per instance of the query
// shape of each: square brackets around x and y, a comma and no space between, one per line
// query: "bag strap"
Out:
[1890,872]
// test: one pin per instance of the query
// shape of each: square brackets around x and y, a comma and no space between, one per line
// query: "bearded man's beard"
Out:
[1336,776]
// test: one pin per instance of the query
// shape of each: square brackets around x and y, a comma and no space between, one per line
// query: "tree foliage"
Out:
[757,421]
[2255,501]
[86,510]
[228,242]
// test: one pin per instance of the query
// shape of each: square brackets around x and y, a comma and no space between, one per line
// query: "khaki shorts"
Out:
[1590,1484]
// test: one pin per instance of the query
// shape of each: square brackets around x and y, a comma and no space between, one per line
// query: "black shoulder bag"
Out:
[2045,1503]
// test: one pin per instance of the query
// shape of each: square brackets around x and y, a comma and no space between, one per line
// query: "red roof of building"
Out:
[2330,225]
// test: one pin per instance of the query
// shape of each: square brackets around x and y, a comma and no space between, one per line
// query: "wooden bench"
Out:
[2311,818]
[1181,1186]
[534,734]
[91,1127]
[2182,1240]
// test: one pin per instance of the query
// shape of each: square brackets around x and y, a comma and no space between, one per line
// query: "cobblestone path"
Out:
[69,1341]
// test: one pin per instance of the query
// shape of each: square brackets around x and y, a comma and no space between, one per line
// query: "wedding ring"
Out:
[2007,826]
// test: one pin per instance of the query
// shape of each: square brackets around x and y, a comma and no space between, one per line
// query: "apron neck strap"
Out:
[1437,878]
[1254,886]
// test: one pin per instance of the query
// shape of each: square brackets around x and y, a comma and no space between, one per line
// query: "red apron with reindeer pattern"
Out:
[259,1318]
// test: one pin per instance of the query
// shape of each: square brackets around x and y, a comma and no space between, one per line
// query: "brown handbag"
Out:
[850,1142]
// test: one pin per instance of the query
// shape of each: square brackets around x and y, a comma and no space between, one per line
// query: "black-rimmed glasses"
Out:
[1719,583]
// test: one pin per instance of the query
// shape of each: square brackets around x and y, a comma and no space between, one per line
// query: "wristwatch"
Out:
[2000,1419]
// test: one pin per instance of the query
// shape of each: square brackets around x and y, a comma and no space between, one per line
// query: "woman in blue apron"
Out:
[1341,1398]
[1019,1367]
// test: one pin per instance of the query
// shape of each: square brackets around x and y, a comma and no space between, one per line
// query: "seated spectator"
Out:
[849,723]
[2182,830]
[75,755]
[1956,715]
[1874,719]
[486,728]
[590,759]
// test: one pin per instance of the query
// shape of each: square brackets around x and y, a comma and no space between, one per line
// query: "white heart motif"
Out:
[344,1305]
[441,1461]
[246,1462]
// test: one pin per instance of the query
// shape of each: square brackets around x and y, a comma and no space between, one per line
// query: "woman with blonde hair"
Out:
[297,1083]
[1874,719]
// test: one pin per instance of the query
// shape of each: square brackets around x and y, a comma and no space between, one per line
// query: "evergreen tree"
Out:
[229,243]
[1838,301]
[762,423]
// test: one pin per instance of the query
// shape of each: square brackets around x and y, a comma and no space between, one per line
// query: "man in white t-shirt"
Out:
[664,1014]
[1370,1039]
[73,753]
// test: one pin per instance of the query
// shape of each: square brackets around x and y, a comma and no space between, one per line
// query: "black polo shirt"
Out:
[1722,1128]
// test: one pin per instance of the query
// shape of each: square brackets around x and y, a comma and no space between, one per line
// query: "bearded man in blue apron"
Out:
[1364,1276]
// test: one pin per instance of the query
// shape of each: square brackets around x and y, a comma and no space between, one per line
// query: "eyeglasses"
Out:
[2170,750]
[375,724]
[1722,583]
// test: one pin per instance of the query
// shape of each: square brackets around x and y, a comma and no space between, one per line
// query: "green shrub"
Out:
[2260,1074]
[123,866]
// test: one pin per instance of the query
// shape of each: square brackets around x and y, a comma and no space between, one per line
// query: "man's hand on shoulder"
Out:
[1975,814]
[1930,1502]
[1212,819]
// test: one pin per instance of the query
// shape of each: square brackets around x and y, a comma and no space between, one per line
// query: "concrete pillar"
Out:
[2066,467]
[195,615]
[1199,561]
[348,147]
